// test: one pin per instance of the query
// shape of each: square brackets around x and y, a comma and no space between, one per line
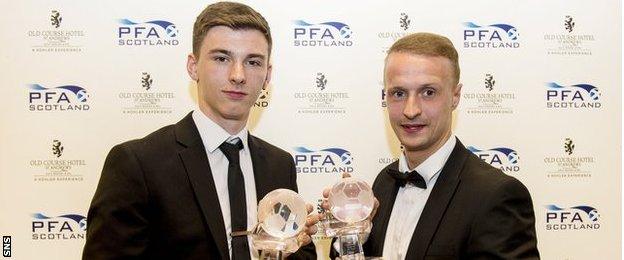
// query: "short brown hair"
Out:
[428,44]
[234,15]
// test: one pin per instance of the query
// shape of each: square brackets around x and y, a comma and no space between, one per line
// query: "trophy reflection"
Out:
[351,202]
[281,216]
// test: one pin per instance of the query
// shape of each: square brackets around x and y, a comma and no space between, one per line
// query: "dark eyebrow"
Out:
[229,53]
[256,55]
[223,51]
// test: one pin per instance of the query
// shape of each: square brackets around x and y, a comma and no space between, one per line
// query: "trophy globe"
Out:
[281,217]
[351,202]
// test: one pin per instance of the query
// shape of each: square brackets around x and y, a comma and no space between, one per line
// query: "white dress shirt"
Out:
[213,136]
[411,200]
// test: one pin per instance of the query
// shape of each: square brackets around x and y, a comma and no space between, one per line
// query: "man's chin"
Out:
[237,112]
[414,145]
[235,116]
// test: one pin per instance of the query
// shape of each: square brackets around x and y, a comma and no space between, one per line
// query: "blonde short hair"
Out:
[428,44]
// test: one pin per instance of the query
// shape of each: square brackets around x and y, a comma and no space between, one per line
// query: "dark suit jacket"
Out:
[474,211]
[156,197]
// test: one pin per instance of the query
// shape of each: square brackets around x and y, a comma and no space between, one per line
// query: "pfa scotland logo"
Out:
[63,227]
[62,98]
[151,33]
[577,218]
[323,161]
[506,159]
[490,36]
[327,34]
[578,96]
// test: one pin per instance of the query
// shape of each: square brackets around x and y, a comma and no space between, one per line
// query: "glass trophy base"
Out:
[271,255]
[363,228]
[350,247]
[332,228]
[272,246]
[350,236]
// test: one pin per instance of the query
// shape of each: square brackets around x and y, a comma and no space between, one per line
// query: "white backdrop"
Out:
[518,60]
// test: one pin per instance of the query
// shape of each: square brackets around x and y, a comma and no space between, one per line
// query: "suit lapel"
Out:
[385,191]
[195,160]
[437,203]
[260,168]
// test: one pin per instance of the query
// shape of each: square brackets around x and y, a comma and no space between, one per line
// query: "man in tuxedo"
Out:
[190,190]
[439,201]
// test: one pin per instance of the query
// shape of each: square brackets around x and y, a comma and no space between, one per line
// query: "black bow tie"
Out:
[411,177]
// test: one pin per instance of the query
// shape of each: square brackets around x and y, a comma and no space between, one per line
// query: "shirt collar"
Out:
[213,135]
[432,165]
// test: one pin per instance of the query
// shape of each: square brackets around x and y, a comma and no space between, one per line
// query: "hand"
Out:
[305,237]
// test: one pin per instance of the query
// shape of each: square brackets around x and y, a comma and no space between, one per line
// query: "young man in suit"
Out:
[439,201]
[190,190]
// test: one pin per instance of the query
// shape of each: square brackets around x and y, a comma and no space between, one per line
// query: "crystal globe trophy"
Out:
[281,216]
[351,202]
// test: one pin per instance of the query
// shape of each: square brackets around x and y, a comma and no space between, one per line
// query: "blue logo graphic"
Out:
[80,220]
[572,218]
[67,97]
[589,89]
[511,31]
[344,155]
[343,29]
[573,96]
[327,34]
[330,160]
[69,226]
[504,158]
[79,92]
[490,36]
[151,33]
[591,212]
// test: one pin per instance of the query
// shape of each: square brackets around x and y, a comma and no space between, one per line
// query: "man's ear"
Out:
[267,79]
[191,67]
[456,95]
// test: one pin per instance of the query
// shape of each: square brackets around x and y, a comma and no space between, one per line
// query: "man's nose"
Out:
[412,107]
[237,73]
